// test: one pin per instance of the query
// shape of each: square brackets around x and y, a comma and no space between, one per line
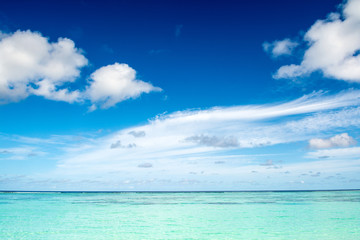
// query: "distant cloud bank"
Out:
[340,140]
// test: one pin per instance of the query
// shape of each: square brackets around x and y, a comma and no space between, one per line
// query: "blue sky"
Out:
[179,95]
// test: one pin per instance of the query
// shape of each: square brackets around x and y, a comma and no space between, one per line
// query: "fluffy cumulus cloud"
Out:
[32,65]
[333,47]
[278,48]
[115,83]
[340,140]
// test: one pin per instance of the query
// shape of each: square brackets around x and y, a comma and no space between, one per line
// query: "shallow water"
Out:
[196,215]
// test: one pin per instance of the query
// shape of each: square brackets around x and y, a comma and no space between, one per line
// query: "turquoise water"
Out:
[231,215]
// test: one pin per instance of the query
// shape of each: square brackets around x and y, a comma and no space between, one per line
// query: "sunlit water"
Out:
[230,215]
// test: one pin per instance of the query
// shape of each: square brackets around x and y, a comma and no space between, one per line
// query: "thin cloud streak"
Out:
[338,153]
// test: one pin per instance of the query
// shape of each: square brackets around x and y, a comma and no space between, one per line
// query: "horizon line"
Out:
[190,191]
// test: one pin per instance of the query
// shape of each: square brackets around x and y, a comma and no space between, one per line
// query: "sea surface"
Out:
[312,215]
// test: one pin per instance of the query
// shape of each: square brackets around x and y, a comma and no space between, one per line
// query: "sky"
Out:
[179,95]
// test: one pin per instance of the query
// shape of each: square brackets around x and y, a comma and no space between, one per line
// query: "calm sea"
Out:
[195,215]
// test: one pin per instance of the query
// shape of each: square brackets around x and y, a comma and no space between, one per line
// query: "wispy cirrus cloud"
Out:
[177,140]
[221,143]
[20,153]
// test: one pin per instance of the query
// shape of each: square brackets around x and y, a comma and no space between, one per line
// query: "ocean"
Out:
[310,215]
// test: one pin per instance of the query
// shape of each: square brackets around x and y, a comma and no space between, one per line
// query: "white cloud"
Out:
[267,163]
[340,140]
[115,83]
[279,48]
[174,141]
[137,134]
[334,44]
[118,144]
[214,141]
[32,65]
[145,165]
[339,153]
[307,104]
[288,125]
[20,153]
